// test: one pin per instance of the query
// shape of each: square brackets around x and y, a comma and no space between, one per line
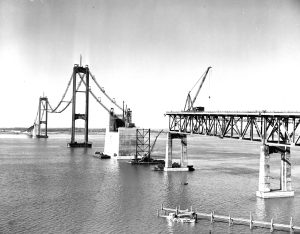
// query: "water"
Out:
[49,188]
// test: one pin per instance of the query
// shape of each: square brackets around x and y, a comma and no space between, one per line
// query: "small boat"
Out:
[101,155]
[159,167]
[180,218]
[191,168]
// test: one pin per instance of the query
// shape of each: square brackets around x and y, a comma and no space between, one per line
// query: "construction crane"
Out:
[189,103]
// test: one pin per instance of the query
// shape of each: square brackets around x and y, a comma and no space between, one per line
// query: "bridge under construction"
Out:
[276,131]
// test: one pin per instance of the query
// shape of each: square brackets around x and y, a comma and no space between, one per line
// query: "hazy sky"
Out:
[149,54]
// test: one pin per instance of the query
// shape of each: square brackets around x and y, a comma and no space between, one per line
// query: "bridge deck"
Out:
[273,128]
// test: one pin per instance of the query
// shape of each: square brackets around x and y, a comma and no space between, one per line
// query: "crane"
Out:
[189,103]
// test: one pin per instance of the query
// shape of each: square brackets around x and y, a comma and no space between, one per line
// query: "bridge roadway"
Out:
[277,131]
[271,128]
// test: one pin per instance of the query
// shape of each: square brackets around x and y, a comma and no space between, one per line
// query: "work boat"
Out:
[100,155]
[180,218]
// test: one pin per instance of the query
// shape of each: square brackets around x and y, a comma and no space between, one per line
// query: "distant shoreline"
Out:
[21,130]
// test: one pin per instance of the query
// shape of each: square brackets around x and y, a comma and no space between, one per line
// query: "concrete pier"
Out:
[264,187]
[183,157]
[264,170]
[120,144]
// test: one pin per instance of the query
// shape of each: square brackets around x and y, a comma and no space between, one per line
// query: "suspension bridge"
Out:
[79,82]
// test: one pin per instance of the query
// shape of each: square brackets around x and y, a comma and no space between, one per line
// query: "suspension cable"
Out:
[95,97]
[53,110]
[68,102]
[103,91]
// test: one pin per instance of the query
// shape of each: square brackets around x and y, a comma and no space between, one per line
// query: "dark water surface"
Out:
[49,188]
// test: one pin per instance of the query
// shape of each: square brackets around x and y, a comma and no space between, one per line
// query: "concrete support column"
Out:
[285,172]
[264,170]
[183,158]
[168,160]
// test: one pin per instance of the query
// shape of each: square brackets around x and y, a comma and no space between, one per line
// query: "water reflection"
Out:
[260,210]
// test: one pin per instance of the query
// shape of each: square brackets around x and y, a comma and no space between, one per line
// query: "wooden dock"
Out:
[232,220]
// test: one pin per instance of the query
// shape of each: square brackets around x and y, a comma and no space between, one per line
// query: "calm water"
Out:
[49,188]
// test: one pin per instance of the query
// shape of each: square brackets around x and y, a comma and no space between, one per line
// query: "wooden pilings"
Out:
[212,217]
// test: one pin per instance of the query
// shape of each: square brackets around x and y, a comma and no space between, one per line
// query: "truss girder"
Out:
[276,129]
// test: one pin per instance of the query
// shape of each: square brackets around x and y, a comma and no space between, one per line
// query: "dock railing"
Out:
[212,217]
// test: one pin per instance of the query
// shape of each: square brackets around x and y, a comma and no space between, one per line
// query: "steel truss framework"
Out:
[43,117]
[276,128]
[143,143]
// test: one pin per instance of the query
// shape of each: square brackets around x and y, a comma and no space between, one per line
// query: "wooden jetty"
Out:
[232,220]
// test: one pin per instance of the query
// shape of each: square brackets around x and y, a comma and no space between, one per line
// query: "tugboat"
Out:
[101,155]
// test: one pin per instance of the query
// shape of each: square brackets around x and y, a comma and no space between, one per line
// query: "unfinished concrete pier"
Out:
[183,157]
[264,186]
[120,144]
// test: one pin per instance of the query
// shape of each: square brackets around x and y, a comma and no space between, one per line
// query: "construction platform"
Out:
[275,194]
[176,169]
[79,145]
[41,136]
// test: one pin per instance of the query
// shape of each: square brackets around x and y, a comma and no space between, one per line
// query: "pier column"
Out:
[183,156]
[183,159]
[264,170]
[168,161]
[285,172]
[264,188]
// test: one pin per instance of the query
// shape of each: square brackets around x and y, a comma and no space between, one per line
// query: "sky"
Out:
[149,54]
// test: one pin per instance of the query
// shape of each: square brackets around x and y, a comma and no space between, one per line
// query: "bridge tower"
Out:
[43,118]
[83,74]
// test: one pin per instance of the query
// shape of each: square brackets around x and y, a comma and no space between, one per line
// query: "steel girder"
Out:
[269,128]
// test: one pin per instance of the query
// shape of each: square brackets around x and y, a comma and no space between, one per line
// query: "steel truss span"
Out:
[272,128]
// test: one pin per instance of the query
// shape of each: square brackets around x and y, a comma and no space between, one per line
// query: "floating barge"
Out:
[79,145]
[147,160]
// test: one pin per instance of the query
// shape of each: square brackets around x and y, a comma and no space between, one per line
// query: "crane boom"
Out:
[189,104]
[202,82]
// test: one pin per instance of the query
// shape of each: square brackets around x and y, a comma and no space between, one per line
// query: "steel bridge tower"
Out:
[83,74]
[43,118]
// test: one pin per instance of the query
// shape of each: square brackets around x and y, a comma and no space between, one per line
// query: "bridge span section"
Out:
[277,132]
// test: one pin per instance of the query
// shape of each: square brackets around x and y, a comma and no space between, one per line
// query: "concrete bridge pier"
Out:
[286,171]
[169,153]
[264,171]
[264,186]
[120,142]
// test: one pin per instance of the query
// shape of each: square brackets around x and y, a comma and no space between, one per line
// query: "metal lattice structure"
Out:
[83,74]
[42,118]
[143,143]
[272,128]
